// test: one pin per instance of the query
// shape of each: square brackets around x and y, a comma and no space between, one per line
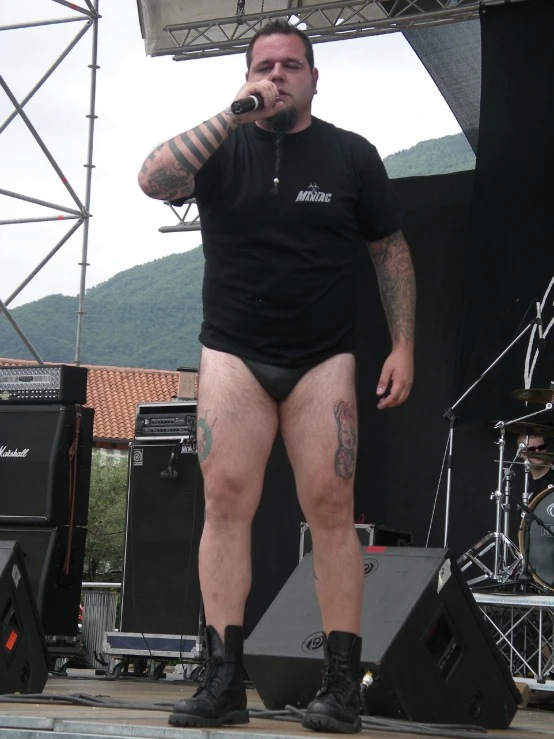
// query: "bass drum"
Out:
[541,542]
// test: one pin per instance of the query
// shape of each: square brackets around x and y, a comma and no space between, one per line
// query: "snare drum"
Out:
[541,542]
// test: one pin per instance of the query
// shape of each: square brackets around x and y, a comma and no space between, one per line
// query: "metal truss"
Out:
[87,17]
[189,221]
[334,21]
[523,628]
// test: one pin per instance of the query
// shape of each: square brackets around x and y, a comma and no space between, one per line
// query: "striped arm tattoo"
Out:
[168,172]
[395,273]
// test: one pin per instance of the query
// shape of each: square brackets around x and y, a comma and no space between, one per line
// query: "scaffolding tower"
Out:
[86,18]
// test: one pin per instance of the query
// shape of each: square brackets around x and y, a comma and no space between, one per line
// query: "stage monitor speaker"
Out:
[56,594]
[24,660]
[425,643]
[35,470]
[165,517]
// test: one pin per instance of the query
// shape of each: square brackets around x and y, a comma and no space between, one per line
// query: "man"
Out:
[542,473]
[284,199]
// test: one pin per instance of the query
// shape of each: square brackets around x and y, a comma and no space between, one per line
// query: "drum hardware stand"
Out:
[504,548]
[451,417]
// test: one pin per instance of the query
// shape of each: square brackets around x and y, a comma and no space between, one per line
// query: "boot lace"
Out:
[212,677]
[336,680]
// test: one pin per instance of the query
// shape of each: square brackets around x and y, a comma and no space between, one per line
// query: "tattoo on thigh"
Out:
[204,436]
[345,456]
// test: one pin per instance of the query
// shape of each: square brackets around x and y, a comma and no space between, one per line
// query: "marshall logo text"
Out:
[5,452]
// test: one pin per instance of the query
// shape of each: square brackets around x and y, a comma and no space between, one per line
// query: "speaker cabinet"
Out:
[165,517]
[425,642]
[24,659]
[34,464]
[56,594]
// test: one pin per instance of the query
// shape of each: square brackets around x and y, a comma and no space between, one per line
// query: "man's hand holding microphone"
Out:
[256,101]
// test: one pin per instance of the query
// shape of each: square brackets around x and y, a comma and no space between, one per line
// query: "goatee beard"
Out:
[283,121]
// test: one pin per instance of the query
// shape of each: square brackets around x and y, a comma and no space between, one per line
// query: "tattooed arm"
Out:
[168,172]
[395,274]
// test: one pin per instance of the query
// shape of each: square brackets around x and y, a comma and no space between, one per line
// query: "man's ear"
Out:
[315,77]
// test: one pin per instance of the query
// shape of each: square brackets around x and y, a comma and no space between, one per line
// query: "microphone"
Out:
[539,324]
[245,105]
[170,473]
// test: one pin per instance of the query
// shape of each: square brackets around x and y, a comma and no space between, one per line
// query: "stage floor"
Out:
[40,721]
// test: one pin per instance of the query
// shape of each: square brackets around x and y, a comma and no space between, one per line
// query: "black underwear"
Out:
[278,382]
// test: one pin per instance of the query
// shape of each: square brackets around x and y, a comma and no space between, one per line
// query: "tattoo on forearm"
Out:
[345,456]
[204,436]
[173,176]
[395,273]
[210,148]
[186,165]
[193,150]
[169,184]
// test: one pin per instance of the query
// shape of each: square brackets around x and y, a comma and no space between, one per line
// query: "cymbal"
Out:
[534,395]
[543,456]
[530,429]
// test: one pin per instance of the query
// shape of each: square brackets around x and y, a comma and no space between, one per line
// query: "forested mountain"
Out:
[436,156]
[149,316]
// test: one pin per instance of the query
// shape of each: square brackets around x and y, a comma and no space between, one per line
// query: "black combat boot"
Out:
[221,697]
[336,706]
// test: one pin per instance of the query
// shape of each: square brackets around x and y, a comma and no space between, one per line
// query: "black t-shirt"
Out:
[279,279]
[537,486]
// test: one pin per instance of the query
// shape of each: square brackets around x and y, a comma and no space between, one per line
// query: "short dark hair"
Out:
[281,27]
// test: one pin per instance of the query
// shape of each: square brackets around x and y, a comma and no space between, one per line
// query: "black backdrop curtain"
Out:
[483,252]
[511,246]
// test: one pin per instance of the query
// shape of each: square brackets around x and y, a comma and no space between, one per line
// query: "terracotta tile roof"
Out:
[114,392]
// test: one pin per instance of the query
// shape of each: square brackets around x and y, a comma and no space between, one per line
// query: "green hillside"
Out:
[436,156]
[149,316]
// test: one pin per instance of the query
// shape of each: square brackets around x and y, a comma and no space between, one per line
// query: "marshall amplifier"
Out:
[42,475]
[57,383]
[165,421]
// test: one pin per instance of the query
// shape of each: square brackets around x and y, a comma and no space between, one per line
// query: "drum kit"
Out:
[529,565]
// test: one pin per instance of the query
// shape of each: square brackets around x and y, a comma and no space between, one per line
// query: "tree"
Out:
[106,523]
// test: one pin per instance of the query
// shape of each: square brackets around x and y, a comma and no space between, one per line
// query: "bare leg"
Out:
[237,423]
[319,426]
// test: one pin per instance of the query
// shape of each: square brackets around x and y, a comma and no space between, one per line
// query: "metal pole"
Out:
[17,26]
[15,221]
[89,165]
[43,79]
[19,331]
[497,495]
[37,269]
[41,143]
[36,201]
[75,7]
[449,482]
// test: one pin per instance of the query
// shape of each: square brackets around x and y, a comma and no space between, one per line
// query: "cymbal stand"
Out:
[527,470]
[507,559]
[451,417]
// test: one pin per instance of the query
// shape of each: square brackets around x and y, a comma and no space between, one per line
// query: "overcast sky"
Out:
[375,86]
